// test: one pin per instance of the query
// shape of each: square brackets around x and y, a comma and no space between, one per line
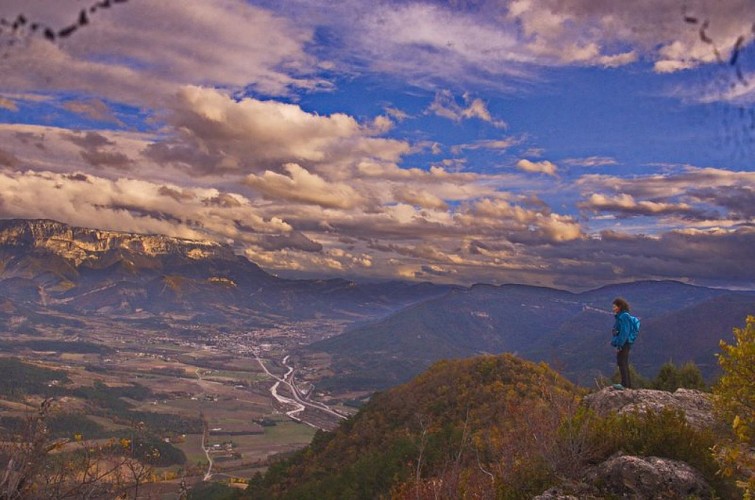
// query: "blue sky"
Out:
[563,143]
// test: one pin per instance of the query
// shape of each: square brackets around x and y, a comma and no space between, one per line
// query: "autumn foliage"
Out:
[735,398]
[463,428]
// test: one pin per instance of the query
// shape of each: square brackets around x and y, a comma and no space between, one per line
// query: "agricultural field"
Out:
[193,399]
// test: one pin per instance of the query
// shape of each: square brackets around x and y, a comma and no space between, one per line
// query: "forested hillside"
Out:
[451,425]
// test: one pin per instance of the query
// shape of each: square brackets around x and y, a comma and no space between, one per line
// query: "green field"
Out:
[192,447]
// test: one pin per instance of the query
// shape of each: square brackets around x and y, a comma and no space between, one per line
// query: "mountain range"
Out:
[570,331]
[47,266]
[52,273]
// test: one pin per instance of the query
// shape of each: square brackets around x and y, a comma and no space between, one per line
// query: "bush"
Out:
[670,377]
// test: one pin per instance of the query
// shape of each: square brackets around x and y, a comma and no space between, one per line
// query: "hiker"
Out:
[622,340]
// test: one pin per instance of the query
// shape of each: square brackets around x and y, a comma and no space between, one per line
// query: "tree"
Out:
[34,464]
[735,402]
[670,377]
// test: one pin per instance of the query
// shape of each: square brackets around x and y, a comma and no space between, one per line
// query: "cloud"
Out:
[8,159]
[590,161]
[505,44]
[543,167]
[140,52]
[94,109]
[492,144]
[130,205]
[8,104]
[610,33]
[397,114]
[446,106]
[734,89]
[93,152]
[522,225]
[725,197]
[738,201]
[216,134]
[293,240]
[419,198]
[302,186]
[627,205]
[90,140]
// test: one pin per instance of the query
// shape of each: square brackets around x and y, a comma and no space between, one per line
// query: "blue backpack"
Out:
[634,328]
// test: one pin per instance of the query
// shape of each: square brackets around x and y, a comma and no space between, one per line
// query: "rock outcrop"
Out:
[640,478]
[648,478]
[696,405]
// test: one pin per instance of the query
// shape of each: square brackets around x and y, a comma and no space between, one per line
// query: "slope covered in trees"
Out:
[448,428]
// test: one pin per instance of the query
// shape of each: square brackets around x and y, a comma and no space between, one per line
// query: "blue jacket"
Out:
[621,329]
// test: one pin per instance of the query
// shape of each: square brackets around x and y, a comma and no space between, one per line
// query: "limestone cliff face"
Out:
[78,245]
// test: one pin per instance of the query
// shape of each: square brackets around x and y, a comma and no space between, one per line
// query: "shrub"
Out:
[670,377]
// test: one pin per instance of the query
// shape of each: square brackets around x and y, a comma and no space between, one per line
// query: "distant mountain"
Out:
[49,265]
[570,331]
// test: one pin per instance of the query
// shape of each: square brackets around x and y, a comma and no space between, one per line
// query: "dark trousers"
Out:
[622,359]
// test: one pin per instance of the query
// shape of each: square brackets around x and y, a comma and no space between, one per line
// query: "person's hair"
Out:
[622,304]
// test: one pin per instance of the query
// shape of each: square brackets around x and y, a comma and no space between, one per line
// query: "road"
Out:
[208,474]
[298,402]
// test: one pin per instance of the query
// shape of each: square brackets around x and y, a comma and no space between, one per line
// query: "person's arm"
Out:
[623,328]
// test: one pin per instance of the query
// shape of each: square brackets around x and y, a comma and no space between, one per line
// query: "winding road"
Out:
[298,402]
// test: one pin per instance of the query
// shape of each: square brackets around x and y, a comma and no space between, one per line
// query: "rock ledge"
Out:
[696,405]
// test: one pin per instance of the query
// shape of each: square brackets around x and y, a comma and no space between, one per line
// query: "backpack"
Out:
[634,328]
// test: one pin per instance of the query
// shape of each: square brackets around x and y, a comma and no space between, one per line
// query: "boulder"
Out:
[696,405]
[642,478]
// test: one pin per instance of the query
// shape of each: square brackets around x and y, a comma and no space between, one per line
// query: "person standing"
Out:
[622,340]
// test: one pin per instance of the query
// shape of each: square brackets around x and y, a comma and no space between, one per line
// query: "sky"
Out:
[563,143]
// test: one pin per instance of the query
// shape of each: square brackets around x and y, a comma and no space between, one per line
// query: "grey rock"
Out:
[554,494]
[642,478]
[696,405]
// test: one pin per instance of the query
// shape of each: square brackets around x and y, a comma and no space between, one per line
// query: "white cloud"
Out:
[445,105]
[590,161]
[302,186]
[217,134]
[628,204]
[139,52]
[671,33]
[492,144]
[689,198]
[543,167]
[420,198]
[502,44]
[130,205]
